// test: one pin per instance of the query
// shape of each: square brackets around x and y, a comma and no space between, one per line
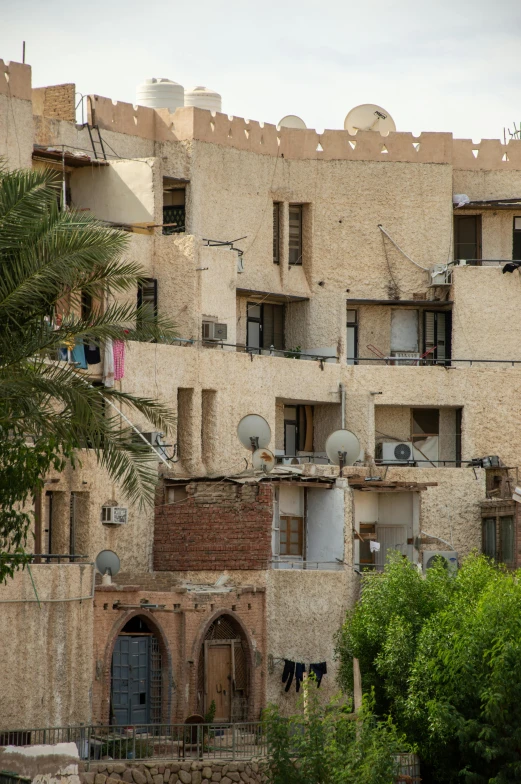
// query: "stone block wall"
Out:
[164,772]
[219,526]
[56,101]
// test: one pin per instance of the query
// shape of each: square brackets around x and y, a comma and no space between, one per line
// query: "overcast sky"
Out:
[441,65]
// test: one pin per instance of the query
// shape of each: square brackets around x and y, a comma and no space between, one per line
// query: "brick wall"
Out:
[219,526]
[56,101]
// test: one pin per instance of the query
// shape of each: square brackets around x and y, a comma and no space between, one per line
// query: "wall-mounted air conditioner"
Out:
[448,557]
[155,438]
[397,452]
[114,515]
[441,275]
[214,331]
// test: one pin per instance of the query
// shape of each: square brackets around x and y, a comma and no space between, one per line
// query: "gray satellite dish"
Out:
[107,564]
[253,432]
[369,117]
[263,460]
[342,447]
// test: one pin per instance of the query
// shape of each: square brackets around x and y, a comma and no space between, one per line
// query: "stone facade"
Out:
[165,772]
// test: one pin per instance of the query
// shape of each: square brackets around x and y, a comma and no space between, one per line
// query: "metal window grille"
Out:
[174,214]
[155,681]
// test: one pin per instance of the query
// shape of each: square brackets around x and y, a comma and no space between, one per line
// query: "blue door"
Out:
[131,680]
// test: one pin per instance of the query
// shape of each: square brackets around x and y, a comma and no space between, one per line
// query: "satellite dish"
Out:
[292,121]
[107,564]
[253,432]
[263,460]
[369,117]
[342,447]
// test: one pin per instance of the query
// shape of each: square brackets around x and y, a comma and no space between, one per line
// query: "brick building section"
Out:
[180,626]
[218,526]
[56,101]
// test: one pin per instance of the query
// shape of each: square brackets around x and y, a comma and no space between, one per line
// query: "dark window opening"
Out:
[352,337]
[499,538]
[86,305]
[265,326]
[516,243]
[489,537]
[367,533]
[174,208]
[467,236]
[437,336]
[146,301]
[276,231]
[425,422]
[298,429]
[136,625]
[295,234]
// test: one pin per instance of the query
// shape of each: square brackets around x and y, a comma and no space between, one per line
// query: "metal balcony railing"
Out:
[406,362]
[174,215]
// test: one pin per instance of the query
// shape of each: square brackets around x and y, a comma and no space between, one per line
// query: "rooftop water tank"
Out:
[160,94]
[203,98]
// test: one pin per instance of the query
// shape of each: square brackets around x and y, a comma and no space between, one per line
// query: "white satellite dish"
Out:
[292,121]
[369,117]
[263,460]
[253,432]
[107,564]
[342,447]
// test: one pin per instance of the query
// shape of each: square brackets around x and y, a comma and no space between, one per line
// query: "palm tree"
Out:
[49,260]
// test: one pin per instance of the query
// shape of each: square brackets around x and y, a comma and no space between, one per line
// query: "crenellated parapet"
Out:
[486,154]
[188,123]
[15,80]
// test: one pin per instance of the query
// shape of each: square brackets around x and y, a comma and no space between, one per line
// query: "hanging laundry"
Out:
[78,356]
[92,353]
[288,673]
[511,267]
[318,670]
[119,359]
[108,364]
[374,547]
[300,669]
[63,353]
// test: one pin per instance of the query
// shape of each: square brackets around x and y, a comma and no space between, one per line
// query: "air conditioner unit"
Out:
[214,331]
[448,557]
[114,515]
[441,275]
[397,452]
[155,438]
[405,358]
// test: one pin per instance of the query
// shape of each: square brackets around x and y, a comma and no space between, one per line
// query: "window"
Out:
[276,231]
[404,332]
[507,539]
[489,537]
[295,233]
[298,429]
[437,326]
[352,337]
[175,494]
[147,299]
[174,207]
[265,326]
[291,535]
[516,244]
[467,236]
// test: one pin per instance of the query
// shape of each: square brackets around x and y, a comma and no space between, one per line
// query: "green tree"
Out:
[49,260]
[444,656]
[327,744]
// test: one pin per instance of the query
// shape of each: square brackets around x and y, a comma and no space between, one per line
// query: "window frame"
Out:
[287,530]
[499,517]
[295,240]
[516,234]
[141,300]
[352,325]
[261,321]
[458,220]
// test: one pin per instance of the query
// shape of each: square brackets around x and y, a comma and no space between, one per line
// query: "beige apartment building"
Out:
[322,281]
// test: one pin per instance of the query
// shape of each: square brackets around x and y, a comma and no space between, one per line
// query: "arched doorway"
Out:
[223,675]
[136,676]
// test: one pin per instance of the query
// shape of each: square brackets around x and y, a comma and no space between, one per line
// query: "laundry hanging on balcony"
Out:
[297,670]
[119,359]
[108,364]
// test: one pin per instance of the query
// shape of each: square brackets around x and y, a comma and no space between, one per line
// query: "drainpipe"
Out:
[343,399]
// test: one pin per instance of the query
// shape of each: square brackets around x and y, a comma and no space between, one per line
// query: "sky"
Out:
[442,65]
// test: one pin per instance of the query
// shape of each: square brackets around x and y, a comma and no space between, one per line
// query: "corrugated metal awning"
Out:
[274,296]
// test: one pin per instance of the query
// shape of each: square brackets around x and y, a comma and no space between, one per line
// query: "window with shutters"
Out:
[437,330]
[146,301]
[499,538]
[467,236]
[295,233]
[489,537]
[298,429]
[276,231]
[264,326]
[291,535]
[352,337]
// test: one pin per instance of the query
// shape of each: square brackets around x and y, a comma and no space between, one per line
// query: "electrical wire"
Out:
[425,269]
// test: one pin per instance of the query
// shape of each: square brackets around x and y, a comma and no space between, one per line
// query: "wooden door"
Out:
[219,673]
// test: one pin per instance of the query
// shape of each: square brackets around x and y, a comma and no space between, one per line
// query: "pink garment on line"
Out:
[118,348]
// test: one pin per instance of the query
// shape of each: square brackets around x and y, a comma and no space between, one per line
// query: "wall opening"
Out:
[185,415]
[223,674]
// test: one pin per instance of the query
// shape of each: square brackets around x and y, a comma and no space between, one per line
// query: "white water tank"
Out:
[203,98]
[161,94]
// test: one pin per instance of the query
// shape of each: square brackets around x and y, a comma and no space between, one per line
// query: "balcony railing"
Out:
[242,348]
[175,216]
[407,361]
